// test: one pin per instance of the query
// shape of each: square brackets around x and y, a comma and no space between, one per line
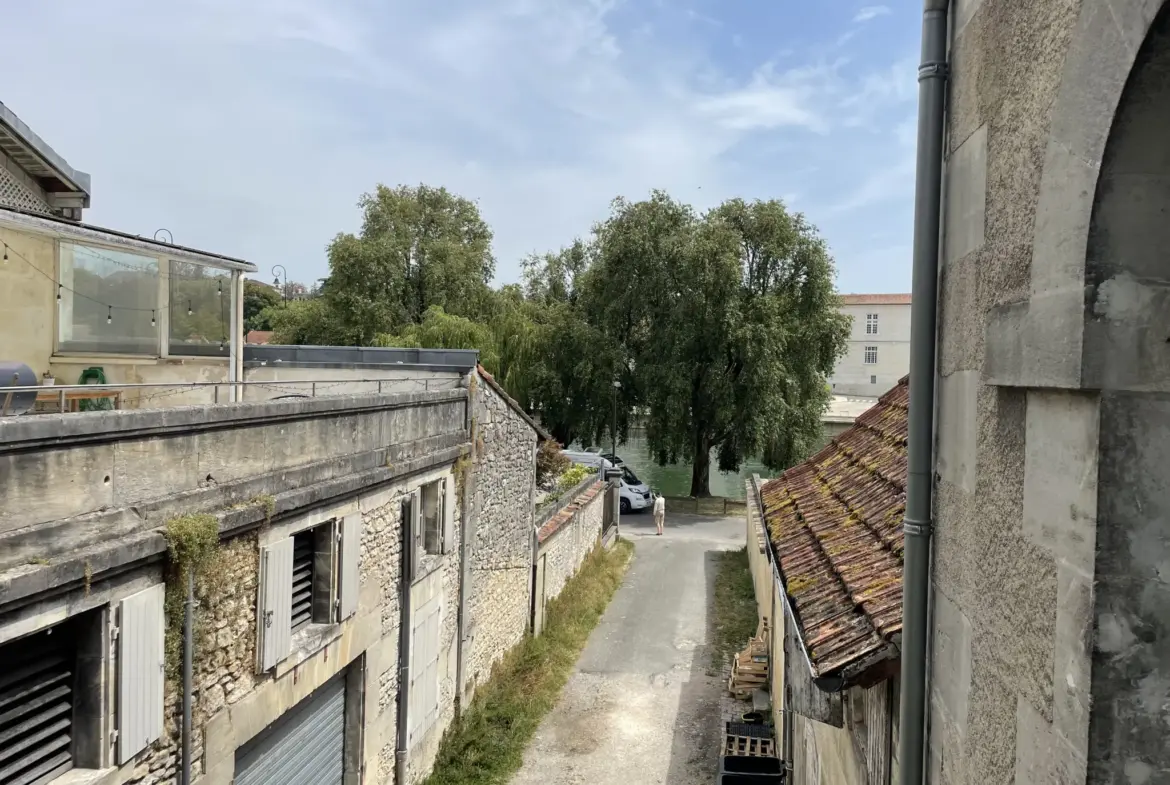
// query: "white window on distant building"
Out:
[873,380]
[871,323]
[871,355]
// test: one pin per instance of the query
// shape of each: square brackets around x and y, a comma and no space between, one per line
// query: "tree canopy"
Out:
[721,328]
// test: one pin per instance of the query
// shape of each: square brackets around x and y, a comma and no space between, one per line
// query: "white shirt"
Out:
[659,505]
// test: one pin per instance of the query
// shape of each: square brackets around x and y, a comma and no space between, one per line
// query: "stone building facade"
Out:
[1051,639]
[322,493]
[500,564]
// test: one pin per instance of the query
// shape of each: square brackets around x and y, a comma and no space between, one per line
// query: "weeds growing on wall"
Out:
[192,542]
[486,745]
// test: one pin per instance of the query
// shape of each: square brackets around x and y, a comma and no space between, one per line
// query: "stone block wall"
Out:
[1049,639]
[502,548]
[568,537]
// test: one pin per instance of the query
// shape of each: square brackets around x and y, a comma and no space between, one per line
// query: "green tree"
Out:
[257,297]
[726,325]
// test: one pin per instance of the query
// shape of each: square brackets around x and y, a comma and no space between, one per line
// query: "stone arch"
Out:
[1126,356]
[1039,342]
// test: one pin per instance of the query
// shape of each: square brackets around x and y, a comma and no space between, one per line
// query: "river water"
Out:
[675,479]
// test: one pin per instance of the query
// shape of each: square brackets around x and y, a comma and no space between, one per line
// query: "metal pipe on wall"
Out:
[401,751]
[188,658]
[918,526]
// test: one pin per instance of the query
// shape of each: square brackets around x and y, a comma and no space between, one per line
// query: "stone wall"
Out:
[501,551]
[225,657]
[567,538]
[1048,608]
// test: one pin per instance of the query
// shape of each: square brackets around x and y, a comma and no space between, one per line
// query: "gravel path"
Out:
[642,705]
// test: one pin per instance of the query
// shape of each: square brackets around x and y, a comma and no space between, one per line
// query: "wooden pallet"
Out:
[749,668]
[749,746]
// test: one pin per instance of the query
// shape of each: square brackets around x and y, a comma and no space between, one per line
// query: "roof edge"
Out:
[541,433]
[40,148]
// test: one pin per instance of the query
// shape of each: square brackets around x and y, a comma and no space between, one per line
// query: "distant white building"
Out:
[879,344]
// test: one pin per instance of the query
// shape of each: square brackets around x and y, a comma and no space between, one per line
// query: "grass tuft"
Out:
[734,612]
[486,745]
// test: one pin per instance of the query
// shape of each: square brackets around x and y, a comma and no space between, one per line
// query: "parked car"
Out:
[633,494]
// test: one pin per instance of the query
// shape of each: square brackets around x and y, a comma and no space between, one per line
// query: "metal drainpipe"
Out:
[932,84]
[400,754]
[188,657]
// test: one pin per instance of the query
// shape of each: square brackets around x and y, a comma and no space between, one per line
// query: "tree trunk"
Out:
[701,469]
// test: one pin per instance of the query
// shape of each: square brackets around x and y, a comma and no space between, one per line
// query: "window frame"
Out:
[871,324]
[162,344]
[867,352]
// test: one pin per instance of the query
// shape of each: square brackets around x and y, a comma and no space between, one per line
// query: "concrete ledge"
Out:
[30,582]
[1036,343]
[61,430]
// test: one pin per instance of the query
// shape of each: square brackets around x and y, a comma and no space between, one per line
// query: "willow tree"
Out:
[726,324]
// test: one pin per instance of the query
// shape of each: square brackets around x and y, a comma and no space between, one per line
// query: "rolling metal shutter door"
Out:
[304,747]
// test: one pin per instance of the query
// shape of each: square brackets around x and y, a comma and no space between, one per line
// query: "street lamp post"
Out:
[276,278]
[613,429]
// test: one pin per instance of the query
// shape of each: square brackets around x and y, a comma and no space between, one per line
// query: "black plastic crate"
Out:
[749,779]
[741,764]
[756,730]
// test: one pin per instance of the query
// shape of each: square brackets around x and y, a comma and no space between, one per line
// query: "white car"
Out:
[633,493]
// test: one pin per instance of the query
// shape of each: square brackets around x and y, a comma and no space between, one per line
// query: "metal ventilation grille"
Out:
[36,709]
[302,582]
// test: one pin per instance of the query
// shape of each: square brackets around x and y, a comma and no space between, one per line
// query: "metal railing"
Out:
[64,394]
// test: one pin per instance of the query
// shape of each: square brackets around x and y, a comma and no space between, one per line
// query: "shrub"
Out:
[573,476]
[550,462]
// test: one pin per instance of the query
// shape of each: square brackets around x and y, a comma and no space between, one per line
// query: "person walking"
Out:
[659,512]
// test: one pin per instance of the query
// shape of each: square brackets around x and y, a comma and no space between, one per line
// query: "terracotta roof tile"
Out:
[875,299]
[553,524]
[835,522]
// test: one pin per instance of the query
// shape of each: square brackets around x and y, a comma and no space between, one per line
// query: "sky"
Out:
[251,127]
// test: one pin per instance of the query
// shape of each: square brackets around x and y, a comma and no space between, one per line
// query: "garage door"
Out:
[304,747]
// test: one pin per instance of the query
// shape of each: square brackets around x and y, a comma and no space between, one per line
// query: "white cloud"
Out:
[252,128]
[871,12]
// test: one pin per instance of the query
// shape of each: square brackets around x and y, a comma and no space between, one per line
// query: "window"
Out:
[308,578]
[871,324]
[873,380]
[199,315]
[312,569]
[871,355]
[433,532]
[432,518]
[53,702]
[109,301]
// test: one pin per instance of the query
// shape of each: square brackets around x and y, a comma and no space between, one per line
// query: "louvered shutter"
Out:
[274,616]
[36,707]
[447,514]
[351,549]
[140,671]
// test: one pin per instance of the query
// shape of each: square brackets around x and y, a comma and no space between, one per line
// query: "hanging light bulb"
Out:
[220,292]
[6,253]
[221,340]
[152,318]
[188,307]
[109,314]
[59,288]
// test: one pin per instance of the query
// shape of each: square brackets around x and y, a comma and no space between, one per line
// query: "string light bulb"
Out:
[152,318]
[109,314]
[5,253]
[221,340]
[188,307]
[59,288]
[220,292]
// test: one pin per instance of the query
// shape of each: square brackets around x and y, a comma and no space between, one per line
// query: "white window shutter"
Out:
[274,611]
[446,518]
[351,549]
[140,671]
